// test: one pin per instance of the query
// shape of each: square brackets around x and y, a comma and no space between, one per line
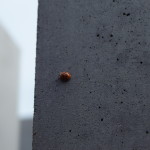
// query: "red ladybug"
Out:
[65,76]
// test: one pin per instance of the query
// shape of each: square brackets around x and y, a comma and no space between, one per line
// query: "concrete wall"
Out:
[105,45]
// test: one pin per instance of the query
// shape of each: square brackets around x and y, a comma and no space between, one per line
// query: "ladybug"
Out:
[65,76]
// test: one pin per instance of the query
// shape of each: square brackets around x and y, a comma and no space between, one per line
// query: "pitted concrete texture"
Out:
[105,45]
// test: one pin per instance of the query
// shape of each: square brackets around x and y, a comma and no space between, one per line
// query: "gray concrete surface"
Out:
[105,45]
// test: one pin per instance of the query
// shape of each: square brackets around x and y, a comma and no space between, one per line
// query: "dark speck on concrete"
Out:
[126,14]
[111,35]
[98,35]
[147,132]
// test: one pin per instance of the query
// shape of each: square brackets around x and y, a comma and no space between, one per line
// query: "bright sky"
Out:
[19,18]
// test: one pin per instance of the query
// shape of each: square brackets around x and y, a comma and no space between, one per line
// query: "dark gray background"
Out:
[105,45]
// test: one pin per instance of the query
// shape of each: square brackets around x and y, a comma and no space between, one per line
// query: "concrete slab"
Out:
[105,45]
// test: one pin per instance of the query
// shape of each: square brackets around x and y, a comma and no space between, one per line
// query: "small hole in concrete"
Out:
[102,119]
[126,14]
[147,132]
[111,35]
[99,107]
[98,35]
[124,90]
[117,59]
[141,62]
[121,102]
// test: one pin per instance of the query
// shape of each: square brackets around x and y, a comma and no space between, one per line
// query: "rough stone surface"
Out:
[105,45]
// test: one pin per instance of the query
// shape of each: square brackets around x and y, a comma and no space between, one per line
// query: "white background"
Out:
[19,18]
